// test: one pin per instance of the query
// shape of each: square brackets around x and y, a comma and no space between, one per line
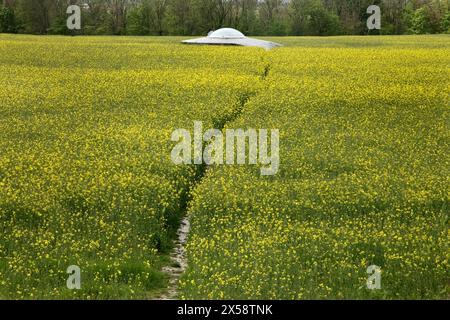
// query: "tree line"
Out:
[198,17]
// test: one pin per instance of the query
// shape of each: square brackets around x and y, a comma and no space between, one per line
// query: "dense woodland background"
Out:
[198,17]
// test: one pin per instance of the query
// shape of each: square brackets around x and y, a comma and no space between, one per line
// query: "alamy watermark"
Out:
[374,279]
[74,279]
[208,147]
[374,21]
[74,20]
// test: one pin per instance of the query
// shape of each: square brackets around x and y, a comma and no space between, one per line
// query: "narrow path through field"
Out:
[179,261]
[178,255]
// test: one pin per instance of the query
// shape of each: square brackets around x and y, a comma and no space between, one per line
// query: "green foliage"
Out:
[7,20]
[252,17]
[313,18]
[419,22]
[180,17]
[323,22]
[135,23]
[148,18]
[277,28]
[445,23]
[388,29]
[59,26]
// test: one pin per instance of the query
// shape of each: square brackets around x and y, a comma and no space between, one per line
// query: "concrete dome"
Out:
[227,33]
[231,37]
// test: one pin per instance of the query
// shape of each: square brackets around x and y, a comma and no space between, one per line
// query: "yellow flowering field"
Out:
[86,176]
[85,171]
[363,180]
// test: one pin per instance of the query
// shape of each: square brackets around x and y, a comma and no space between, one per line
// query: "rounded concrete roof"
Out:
[230,36]
[227,33]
